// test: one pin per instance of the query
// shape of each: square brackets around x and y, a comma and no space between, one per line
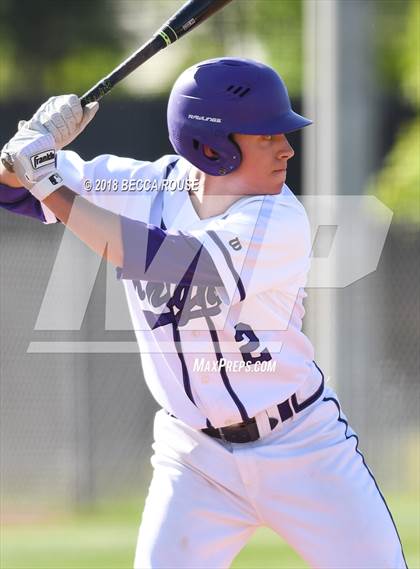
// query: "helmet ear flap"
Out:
[236,145]
[232,156]
[227,156]
[209,152]
[200,147]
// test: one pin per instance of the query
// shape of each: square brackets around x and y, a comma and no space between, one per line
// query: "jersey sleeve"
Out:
[21,202]
[105,180]
[157,255]
[108,181]
[263,246]
[120,185]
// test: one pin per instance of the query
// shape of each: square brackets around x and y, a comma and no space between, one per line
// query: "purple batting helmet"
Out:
[219,97]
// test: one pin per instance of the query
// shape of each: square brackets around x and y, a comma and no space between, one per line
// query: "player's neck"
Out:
[212,195]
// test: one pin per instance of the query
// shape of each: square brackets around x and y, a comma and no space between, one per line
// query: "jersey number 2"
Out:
[245,331]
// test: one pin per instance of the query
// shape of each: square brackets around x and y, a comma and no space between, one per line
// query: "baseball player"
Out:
[213,250]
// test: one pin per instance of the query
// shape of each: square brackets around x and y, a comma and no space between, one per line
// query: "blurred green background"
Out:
[76,428]
[83,41]
[103,538]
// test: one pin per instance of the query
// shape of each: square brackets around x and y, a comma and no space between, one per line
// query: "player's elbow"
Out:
[113,255]
[112,243]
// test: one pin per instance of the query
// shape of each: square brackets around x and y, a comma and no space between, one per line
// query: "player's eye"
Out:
[267,137]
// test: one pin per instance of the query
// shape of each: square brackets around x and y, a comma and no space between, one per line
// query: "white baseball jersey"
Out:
[212,354]
[217,308]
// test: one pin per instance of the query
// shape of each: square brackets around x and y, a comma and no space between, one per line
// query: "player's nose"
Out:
[285,151]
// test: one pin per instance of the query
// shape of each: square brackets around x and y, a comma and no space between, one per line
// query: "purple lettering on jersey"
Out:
[159,256]
[184,303]
[21,202]
[194,303]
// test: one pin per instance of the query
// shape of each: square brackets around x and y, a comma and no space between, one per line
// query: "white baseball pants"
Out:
[306,480]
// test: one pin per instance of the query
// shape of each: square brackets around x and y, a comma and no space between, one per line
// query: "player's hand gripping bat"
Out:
[189,16]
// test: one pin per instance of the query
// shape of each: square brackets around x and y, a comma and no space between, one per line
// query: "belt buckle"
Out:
[222,436]
[239,432]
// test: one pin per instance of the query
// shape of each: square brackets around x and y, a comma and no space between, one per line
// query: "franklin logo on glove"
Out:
[43,158]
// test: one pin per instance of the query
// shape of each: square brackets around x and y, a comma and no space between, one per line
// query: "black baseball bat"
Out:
[189,16]
[186,19]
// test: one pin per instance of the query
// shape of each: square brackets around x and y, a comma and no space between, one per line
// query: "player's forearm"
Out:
[98,228]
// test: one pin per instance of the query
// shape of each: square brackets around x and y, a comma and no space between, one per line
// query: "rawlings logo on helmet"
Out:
[206,119]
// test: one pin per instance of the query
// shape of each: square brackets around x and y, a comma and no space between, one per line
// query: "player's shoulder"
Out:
[169,161]
[276,208]
[288,216]
[165,164]
[286,204]
[162,160]
[280,218]
[114,163]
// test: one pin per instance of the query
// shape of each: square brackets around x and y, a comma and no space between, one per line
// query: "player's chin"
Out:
[278,178]
[274,190]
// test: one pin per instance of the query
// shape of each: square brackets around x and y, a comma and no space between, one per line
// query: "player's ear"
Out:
[209,152]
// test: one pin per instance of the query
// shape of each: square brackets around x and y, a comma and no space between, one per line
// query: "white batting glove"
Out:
[63,117]
[34,162]
[11,148]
